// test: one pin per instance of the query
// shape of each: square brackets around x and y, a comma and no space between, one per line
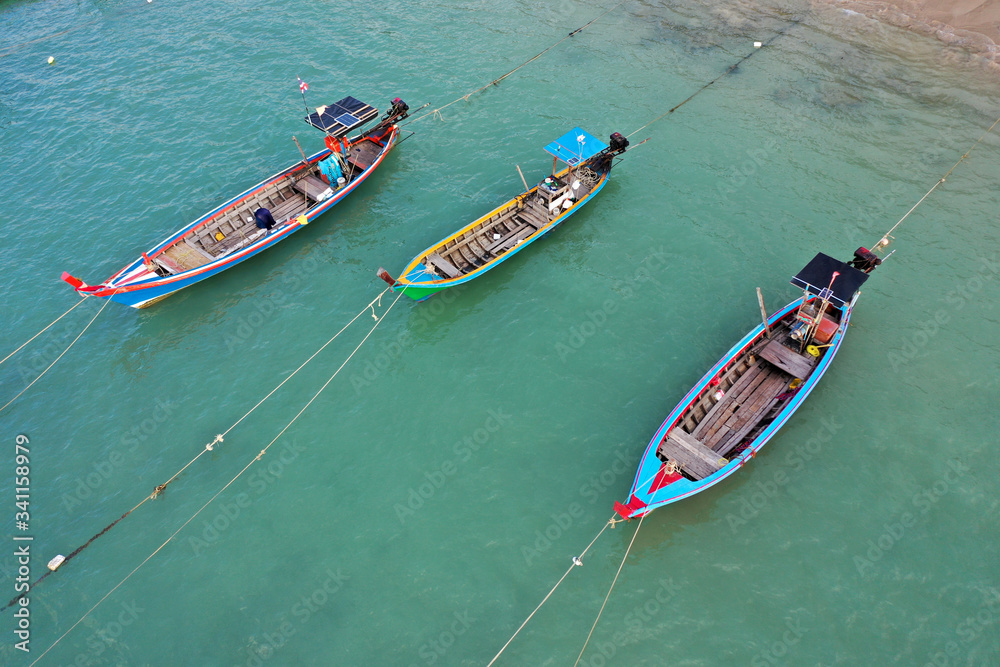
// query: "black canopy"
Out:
[341,117]
[815,277]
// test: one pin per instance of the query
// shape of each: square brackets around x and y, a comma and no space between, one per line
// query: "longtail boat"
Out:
[263,215]
[516,224]
[742,401]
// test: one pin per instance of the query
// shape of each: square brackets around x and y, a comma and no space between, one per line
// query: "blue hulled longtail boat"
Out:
[749,394]
[263,215]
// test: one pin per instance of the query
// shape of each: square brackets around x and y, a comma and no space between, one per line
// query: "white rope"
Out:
[106,302]
[219,438]
[42,331]
[437,112]
[885,237]
[576,561]
[256,458]
[609,590]
[323,347]
[611,522]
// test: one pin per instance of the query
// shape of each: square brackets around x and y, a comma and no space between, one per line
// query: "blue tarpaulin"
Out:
[575,146]
[331,169]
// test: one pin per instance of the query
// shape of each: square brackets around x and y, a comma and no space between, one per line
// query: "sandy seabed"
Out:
[973,25]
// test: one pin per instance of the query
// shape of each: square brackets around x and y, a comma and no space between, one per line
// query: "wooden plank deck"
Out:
[241,237]
[723,408]
[290,208]
[795,364]
[695,458]
[363,154]
[750,414]
[742,408]
[179,258]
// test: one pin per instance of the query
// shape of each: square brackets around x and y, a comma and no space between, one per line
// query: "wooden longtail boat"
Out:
[513,226]
[237,230]
[742,401]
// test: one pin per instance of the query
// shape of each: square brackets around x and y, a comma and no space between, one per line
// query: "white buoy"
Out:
[56,562]
[52,61]
[757,45]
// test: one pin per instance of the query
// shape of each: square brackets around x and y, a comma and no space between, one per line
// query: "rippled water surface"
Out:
[431,496]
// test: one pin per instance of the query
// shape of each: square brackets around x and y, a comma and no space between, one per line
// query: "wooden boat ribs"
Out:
[752,387]
[504,230]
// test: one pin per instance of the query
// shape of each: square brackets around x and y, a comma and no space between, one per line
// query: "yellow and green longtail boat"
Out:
[513,226]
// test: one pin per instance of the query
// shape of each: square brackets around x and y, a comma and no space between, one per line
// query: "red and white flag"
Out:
[303,86]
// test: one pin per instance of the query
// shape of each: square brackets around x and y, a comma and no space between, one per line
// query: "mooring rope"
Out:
[437,112]
[82,299]
[721,76]
[207,448]
[591,633]
[577,561]
[611,522]
[255,459]
[884,241]
[106,302]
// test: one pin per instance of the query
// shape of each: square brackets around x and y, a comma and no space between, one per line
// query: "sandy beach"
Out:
[970,24]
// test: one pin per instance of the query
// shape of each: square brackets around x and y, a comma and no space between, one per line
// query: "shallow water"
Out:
[435,492]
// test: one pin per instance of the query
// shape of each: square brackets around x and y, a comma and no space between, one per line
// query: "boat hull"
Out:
[649,491]
[416,284]
[135,286]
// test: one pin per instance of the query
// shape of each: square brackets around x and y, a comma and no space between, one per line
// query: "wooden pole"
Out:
[763,314]
[821,311]
[522,177]
[555,161]
[304,158]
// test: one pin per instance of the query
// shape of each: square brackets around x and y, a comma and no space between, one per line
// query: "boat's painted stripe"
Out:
[415,266]
[161,286]
[650,465]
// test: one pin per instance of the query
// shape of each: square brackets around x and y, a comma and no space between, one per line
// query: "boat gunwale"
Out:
[444,283]
[109,289]
[762,438]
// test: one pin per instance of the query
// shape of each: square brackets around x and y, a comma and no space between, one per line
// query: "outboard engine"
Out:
[618,143]
[398,111]
[865,260]
[603,161]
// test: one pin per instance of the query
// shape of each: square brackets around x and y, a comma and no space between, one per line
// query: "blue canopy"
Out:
[575,146]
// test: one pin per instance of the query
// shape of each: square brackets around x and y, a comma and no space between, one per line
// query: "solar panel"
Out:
[348,120]
[341,117]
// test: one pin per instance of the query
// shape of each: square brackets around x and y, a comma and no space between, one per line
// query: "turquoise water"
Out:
[433,494]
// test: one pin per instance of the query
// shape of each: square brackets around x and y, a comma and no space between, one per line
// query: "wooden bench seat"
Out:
[790,361]
[168,264]
[511,239]
[444,265]
[694,458]
[524,217]
[311,186]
